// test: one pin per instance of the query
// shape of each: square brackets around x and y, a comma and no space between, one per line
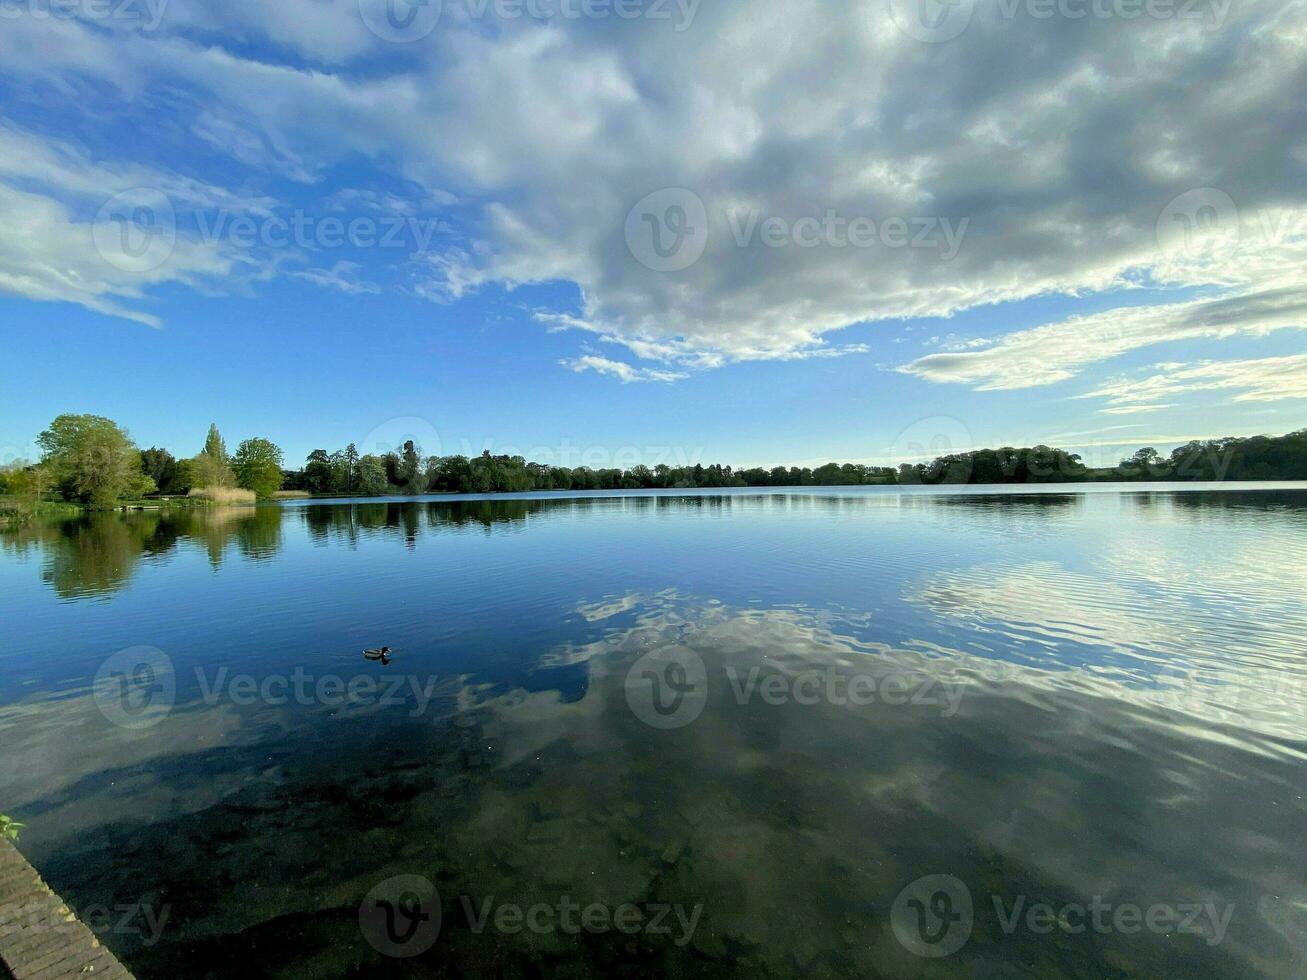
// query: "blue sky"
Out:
[623,240]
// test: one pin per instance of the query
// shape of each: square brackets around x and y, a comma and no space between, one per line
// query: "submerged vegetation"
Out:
[90,461]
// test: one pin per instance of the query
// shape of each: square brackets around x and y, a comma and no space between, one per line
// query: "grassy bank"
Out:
[15,510]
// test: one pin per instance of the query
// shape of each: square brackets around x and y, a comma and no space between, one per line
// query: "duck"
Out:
[383,654]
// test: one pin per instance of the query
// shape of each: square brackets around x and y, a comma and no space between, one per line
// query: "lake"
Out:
[1051,732]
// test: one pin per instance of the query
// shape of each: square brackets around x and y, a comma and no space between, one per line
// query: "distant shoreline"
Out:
[933,490]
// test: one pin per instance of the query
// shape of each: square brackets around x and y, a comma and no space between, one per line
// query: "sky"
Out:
[605,232]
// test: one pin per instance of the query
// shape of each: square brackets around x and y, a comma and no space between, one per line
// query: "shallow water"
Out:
[835,733]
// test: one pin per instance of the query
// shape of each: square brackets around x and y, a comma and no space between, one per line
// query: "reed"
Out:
[223,495]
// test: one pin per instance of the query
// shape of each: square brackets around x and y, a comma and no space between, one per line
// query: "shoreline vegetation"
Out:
[90,462]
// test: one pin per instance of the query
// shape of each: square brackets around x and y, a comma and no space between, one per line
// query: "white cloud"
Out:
[61,166]
[343,276]
[1059,351]
[47,255]
[1261,380]
[623,372]
[549,133]
[1135,409]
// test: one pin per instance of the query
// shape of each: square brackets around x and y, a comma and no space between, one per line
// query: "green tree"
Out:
[212,466]
[258,467]
[371,477]
[184,477]
[160,466]
[318,472]
[89,458]
[412,473]
[351,460]
[25,484]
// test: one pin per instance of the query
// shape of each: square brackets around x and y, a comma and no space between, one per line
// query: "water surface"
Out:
[774,713]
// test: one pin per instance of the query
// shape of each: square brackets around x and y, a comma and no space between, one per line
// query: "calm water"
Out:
[736,730]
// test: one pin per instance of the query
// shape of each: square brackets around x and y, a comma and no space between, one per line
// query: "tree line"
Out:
[92,460]
[1201,460]
[408,471]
